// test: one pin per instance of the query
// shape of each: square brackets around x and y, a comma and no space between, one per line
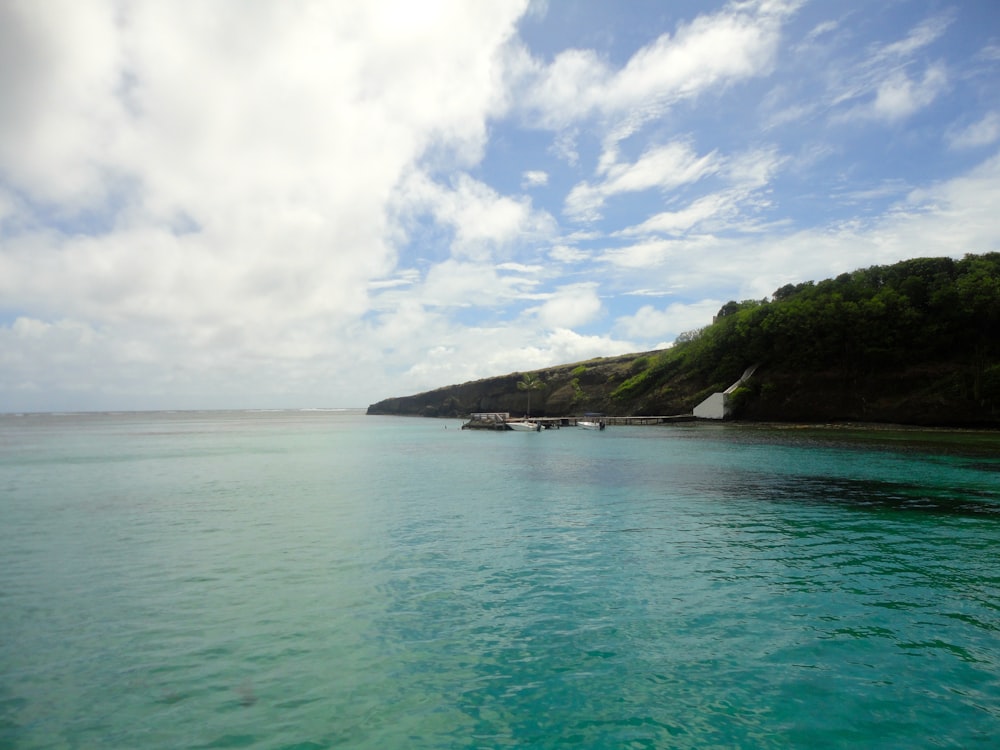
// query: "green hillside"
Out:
[916,342]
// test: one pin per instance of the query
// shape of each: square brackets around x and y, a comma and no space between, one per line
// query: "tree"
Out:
[529,382]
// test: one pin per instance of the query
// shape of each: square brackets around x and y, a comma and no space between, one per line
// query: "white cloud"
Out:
[920,36]
[485,224]
[564,346]
[881,86]
[651,324]
[821,29]
[984,132]
[712,50]
[664,167]
[679,222]
[564,147]
[565,90]
[224,177]
[949,219]
[60,65]
[892,96]
[534,178]
[747,173]
[645,254]
[990,52]
[519,268]
[406,277]
[465,284]
[754,168]
[899,97]
[737,42]
[568,254]
[570,306]
[649,293]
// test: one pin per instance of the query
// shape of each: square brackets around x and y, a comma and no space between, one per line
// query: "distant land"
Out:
[915,343]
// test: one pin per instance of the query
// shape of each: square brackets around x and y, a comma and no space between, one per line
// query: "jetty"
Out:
[499,420]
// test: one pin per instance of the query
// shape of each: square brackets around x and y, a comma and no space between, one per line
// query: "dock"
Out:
[499,420]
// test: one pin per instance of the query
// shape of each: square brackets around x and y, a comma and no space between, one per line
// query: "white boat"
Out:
[524,426]
[590,424]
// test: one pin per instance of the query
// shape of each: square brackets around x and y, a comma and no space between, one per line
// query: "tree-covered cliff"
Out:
[917,342]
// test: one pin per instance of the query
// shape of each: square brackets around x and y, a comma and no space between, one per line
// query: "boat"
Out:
[524,426]
[591,421]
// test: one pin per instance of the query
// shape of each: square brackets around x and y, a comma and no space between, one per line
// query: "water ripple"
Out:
[312,581]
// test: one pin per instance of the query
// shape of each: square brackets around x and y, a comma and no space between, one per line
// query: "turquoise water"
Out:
[327,579]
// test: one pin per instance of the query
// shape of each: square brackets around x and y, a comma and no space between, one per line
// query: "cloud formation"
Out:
[297,204]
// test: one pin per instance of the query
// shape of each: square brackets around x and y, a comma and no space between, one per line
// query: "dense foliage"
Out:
[874,319]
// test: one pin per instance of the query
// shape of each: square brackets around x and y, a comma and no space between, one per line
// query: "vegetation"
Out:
[888,315]
[872,320]
[916,342]
[529,382]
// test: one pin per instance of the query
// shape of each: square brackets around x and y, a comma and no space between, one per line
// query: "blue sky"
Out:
[297,204]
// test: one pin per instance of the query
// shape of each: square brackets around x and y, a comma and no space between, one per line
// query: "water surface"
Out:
[327,579]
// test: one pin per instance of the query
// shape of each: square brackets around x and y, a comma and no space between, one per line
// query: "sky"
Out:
[298,203]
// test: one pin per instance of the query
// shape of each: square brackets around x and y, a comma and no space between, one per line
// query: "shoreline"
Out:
[866,427]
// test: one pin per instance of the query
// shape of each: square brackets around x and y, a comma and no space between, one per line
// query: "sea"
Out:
[328,579]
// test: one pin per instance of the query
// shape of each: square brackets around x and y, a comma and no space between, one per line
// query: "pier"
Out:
[499,420]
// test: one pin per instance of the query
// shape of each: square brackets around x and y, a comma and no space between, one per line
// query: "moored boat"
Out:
[524,426]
